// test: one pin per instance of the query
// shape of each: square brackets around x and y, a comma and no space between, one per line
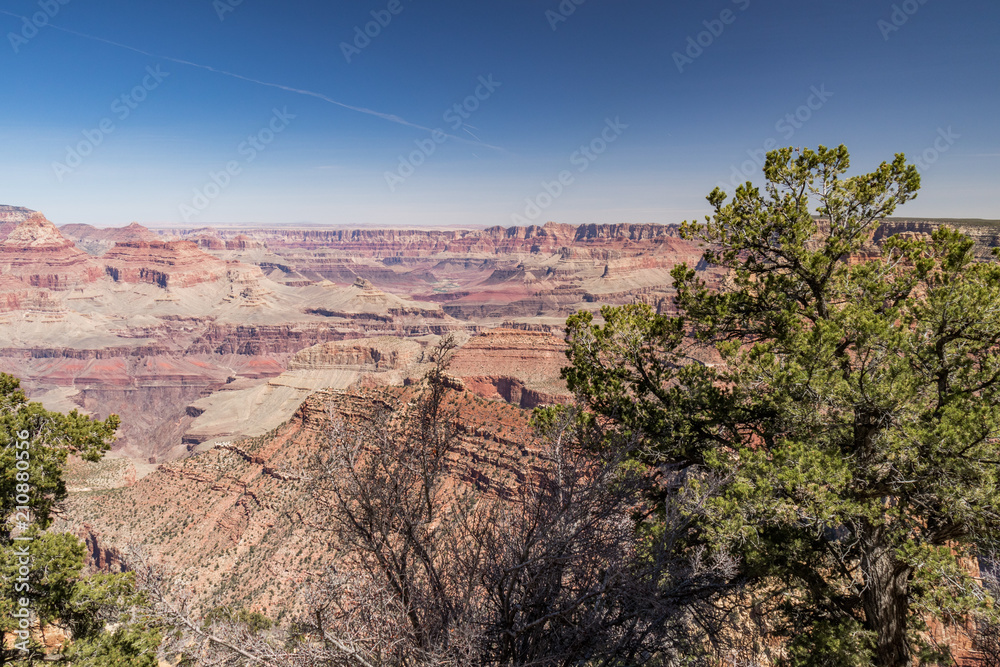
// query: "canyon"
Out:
[199,335]
[174,330]
[235,518]
[227,350]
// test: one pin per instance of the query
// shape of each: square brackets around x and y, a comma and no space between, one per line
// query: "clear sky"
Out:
[122,110]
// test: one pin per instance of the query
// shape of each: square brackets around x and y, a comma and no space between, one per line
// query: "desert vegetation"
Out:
[795,465]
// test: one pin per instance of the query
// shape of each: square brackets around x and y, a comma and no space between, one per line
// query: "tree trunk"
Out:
[885,600]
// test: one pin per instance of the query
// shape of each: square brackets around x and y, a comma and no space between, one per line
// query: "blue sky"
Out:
[221,111]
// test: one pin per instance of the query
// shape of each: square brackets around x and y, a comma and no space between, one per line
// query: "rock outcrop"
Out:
[232,516]
[11,217]
[35,254]
[366,354]
[162,263]
[98,241]
[173,334]
[251,409]
[381,243]
[539,271]
[520,367]
[246,286]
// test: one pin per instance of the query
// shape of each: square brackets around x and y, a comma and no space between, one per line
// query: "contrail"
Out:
[392,118]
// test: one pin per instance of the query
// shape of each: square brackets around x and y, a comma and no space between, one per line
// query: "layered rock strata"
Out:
[232,517]
[162,263]
[36,255]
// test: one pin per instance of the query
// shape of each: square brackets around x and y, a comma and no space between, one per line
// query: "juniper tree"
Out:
[853,395]
[41,573]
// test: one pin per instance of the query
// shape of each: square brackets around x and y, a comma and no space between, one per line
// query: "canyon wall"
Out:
[154,323]
[232,516]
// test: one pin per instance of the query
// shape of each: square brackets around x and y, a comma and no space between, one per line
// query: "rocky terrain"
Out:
[175,329]
[230,519]
[168,327]
[537,273]
[162,263]
[520,367]
[226,350]
[98,241]
[35,255]
[151,326]
[11,217]
[251,409]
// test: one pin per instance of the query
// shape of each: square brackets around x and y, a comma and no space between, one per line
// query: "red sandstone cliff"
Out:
[547,238]
[163,263]
[520,367]
[11,217]
[98,241]
[231,516]
[35,254]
